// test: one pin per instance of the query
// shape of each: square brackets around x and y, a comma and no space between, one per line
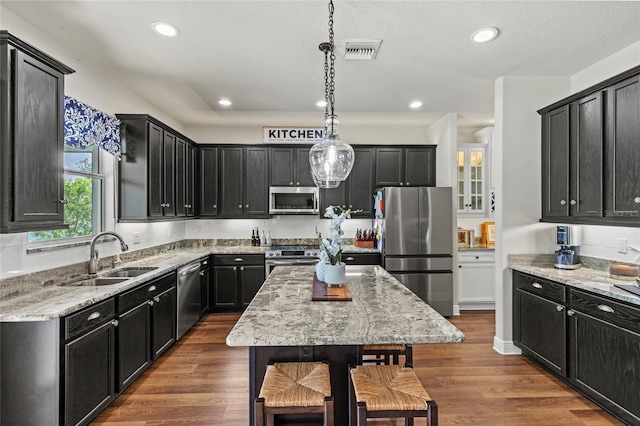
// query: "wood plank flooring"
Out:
[202,381]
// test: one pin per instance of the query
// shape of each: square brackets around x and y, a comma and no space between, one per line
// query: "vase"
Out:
[320,270]
[334,275]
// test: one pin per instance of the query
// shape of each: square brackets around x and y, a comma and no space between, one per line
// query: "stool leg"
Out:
[362,414]
[271,419]
[408,356]
[408,421]
[328,411]
[258,410]
[432,413]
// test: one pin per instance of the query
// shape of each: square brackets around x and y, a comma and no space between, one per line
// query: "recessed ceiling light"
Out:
[165,29]
[416,104]
[224,102]
[484,34]
[321,104]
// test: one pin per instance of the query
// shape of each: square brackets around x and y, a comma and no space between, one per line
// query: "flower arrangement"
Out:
[330,248]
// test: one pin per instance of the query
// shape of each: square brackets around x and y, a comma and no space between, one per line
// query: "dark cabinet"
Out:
[405,166]
[32,140]
[185,171]
[605,353]
[236,280]
[89,362]
[147,327]
[204,287]
[155,160]
[290,167]
[572,151]
[361,258]
[356,192]
[243,181]
[623,150]
[208,182]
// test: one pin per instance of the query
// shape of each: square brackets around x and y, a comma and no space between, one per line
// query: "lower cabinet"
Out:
[236,279]
[146,327]
[591,342]
[476,279]
[361,258]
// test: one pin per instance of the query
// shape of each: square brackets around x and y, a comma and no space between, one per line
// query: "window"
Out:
[83,191]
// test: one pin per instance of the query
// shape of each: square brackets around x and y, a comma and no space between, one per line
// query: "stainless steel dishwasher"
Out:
[188,297]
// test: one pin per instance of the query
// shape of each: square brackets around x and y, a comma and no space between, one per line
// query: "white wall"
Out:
[620,61]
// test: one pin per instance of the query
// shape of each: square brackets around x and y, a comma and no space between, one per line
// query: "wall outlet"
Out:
[170,231]
[622,245]
[136,238]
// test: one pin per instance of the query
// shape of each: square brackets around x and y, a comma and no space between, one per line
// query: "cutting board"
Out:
[322,292]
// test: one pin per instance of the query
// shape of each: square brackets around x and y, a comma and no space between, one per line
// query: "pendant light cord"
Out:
[332,57]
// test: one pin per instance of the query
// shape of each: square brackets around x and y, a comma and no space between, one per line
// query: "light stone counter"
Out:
[382,311]
[593,280]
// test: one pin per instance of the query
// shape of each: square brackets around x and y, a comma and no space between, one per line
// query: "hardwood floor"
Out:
[202,381]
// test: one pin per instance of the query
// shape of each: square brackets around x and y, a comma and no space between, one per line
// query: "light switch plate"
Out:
[136,238]
[622,245]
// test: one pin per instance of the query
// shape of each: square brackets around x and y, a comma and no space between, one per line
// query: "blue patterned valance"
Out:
[85,126]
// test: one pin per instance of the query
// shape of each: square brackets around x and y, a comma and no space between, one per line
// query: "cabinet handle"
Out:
[205,262]
[246,206]
[202,274]
[559,308]
[215,206]
[94,315]
[459,266]
[297,183]
[150,302]
[570,312]
[350,205]
[606,308]
[563,202]
[235,268]
[350,258]
[161,204]
[115,323]
[573,202]
[168,205]
[291,183]
[408,183]
[152,288]
[239,206]
[157,299]
[239,259]
[242,268]
[477,257]
[401,184]
[64,201]
[636,200]
[537,285]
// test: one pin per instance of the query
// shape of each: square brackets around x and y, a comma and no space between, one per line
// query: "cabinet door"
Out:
[605,365]
[156,164]
[360,183]
[333,197]
[587,164]
[282,166]
[38,145]
[303,168]
[231,182]
[420,166]
[251,279]
[134,349]
[256,192]
[168,174]
[555,163]
[623,149]
[225,287]
[476,288]
[389,167]
[540,330]
[163,322]
[89,369]
[204,291]
[181,178]
[208,205]
[190,180]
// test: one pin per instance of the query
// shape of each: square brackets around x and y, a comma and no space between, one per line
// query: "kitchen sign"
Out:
[301,135]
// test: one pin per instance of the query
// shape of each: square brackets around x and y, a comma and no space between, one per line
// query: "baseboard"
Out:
[456,310]
[505,347]
[478,306]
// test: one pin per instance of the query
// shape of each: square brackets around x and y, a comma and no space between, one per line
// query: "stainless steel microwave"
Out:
[293,200]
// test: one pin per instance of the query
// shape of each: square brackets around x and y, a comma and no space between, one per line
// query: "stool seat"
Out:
[296,384]
[389,388]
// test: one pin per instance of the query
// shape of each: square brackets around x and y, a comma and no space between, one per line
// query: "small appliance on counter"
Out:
[569,238]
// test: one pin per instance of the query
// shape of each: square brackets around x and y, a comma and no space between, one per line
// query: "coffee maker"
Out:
[569,238]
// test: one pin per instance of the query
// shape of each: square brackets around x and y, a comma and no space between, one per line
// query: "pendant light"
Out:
[331,159]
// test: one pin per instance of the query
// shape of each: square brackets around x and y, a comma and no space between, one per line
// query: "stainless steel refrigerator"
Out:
[417,241]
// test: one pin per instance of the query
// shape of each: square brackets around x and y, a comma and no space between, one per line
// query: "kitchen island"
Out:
[282,323]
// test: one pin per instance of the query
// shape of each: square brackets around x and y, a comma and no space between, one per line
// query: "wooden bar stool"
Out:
[386,354]
[389,391]
[294,388]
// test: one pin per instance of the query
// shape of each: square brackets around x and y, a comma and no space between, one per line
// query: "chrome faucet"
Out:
[93,259]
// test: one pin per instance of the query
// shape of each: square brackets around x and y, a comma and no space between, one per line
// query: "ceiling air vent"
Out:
[361,49]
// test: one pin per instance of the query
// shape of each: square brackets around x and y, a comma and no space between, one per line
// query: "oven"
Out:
[289,256]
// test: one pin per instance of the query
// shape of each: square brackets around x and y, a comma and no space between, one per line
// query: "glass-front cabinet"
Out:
[472,179]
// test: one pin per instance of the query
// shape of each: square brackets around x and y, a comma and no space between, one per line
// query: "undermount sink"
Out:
[94,282]
[130,272]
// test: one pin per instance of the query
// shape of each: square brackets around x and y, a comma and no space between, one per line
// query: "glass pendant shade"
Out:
[331,159]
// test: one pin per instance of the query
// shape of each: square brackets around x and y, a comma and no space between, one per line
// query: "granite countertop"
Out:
[593,280]
[382,311]
[477,248]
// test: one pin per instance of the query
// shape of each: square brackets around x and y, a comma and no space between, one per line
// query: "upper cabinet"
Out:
[405,166]
[155,159]
[32,138]
[590,155]
[472,179]
[290,167]
[208,182]
[244,187]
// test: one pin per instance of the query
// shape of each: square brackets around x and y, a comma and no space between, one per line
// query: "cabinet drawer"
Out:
[545,288]
[89,318]
[361,258]
[144,292]
[619,314]
[476,257]
[239,259]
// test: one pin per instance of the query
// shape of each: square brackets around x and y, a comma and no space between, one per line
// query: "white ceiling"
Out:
[263,55]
